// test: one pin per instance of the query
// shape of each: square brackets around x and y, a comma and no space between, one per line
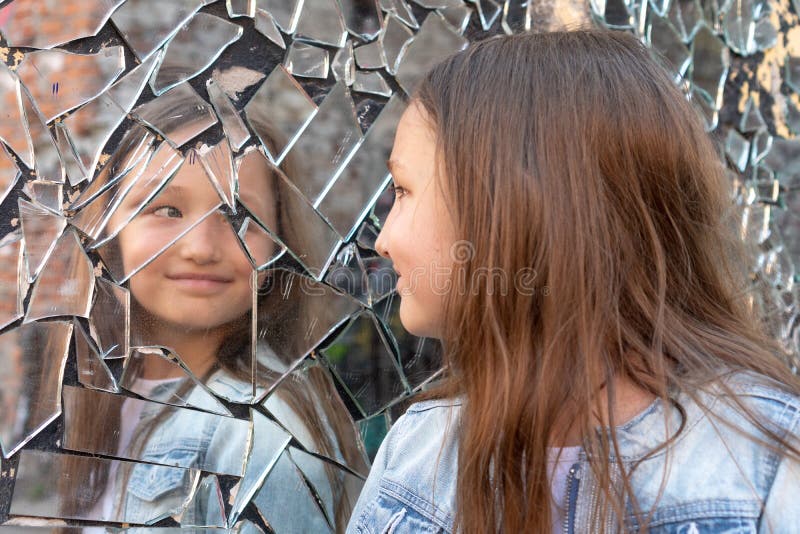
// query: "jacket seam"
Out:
[412,500]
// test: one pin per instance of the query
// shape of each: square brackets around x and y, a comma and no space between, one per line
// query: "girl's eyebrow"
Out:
[392,165]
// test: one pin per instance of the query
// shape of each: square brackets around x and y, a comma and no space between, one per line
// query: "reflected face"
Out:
[418,233]
[203,280]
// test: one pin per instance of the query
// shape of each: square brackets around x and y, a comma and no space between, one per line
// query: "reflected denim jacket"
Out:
[718,481]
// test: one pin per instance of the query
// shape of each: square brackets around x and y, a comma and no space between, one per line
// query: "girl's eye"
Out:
[168,211]
[397,190]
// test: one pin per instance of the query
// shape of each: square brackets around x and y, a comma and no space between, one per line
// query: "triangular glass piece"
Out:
[259,244]
[266,26]
[144,32]
[752,120]
[46,194]
[73,165]
[91,126]
[366,368]
[218,163]
[394,40]
[434,41]
[206,507]
[13,126]
[321,22]
[64,24]
[344,66]
[371,82]
[269,442]
[48,165]
[193,49]
[109,321]
[420,358]
[296,314]
[13,286]
[296,224]
[186,391]
[286,13]
[179,114]
[323,427]
[92,370]
[60,81]
[363,18]
[9,172]
[31,400]
[241,8]
[347,274]
[306,61]
[41,229]
[363,177]
[66,283]
[403,11]
[278,112]
[330,137]
[232,124]
[335,489]
[286,503]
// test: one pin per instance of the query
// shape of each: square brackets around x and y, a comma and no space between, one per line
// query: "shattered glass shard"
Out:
[13,126]
[64,23]
[9,172]
[266,26]
[363,18]
[92,370]
[285,12]
[32,395]
[179,114]
[60,81]
[232,124]
[193,49]
[185,390]
[272,441]
[278,112]
[328,140]
[321,22]
[370,55]
[371,82]
[711,60]
[41,229]
[13,285]
[435,40]
[306,60]
[91,126]
[343,65]
[145,33]
[66,283]
[364,176]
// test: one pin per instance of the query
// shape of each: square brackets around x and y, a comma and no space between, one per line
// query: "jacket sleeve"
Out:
[781,513]
[369,493]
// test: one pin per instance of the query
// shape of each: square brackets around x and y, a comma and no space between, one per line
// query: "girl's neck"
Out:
[197,349]
[629,401]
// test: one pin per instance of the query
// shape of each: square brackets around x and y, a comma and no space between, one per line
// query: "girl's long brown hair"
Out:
[571,159]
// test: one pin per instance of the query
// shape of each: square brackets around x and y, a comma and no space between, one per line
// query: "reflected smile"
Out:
[200,283]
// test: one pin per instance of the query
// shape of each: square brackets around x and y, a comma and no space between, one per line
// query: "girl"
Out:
[196,297]
[560,224]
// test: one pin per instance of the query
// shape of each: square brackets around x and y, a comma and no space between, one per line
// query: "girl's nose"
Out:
[202,243]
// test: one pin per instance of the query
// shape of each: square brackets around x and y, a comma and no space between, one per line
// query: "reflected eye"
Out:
[167,211]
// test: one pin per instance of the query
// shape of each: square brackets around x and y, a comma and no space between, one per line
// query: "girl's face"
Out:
[418,235]
[203,281]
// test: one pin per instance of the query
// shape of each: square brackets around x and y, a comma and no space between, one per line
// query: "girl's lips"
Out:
[200,284]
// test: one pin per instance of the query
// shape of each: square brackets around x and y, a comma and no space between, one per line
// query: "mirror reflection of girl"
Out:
[621,382]
[196,299]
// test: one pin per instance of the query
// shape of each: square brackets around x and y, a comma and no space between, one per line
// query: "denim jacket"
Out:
[717,481]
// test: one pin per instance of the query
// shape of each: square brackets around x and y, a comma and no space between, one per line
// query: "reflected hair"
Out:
[579,157]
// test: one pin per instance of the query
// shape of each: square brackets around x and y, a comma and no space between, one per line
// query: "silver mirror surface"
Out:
[196,329]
